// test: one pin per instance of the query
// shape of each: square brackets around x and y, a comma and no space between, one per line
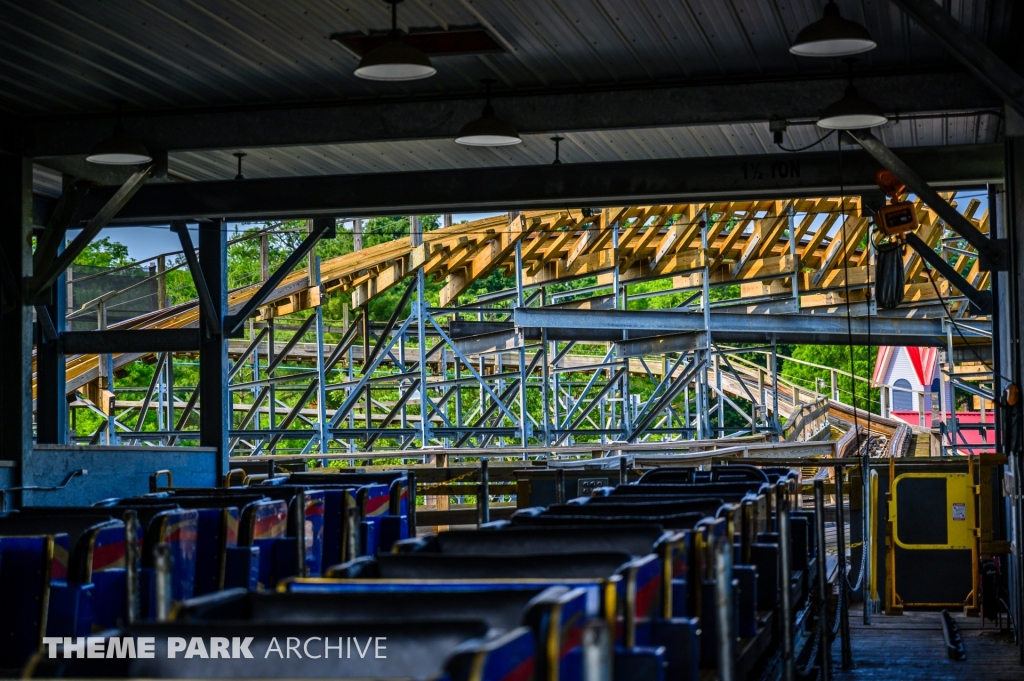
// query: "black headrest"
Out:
[73,526]
[441,566]
[635,506]
[500,607]
[680,521]
[721,490]
[145,511]
[384,478]
[637,540]
[718,473]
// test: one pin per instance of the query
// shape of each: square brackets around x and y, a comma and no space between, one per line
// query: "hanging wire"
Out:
[812,144]
[846,286]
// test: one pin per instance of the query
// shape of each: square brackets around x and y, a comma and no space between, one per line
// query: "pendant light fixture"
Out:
[832,36]
[557,140]
[488,130]
[119,149]
[394,60]
[852,112]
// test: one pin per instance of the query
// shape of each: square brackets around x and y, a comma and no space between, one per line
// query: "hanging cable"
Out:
[812,144]
[846,286]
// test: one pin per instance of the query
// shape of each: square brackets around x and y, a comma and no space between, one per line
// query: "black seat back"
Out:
[705,489]
[441,566]
[635,506]
[500,608]
[638,540]
[720,473]
[680,521]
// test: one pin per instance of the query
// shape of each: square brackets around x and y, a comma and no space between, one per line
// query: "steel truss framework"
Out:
[475,375]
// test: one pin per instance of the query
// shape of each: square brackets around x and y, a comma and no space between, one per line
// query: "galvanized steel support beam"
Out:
[731,327]
[422,313]
[981,301]
[135,340]
[216,413]
[1008,292]
[51,370]
[207,306]
[51,365]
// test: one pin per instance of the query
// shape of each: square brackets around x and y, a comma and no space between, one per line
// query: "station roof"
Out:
[619,79]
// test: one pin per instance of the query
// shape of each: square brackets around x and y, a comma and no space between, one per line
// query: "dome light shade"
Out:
[832,36]
[488,131]
[119,150]
[394,60]
[851,113]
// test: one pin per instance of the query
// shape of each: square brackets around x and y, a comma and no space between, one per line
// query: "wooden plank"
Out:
[911,647]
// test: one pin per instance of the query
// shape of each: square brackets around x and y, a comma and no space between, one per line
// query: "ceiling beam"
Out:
[701,103]
[777,176]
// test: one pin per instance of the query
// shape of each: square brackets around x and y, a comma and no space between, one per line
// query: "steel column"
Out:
[216,414]
[421,339]
[523,419]
[1010,328]
[844,591]
[15,316]
[51,398]
[775,389]
[823,588]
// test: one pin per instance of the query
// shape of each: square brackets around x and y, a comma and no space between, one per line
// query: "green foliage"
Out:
[673,300]
[495,281]
[104,253]
[835,357]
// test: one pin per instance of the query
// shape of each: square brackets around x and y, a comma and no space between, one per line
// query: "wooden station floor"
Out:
[911,647]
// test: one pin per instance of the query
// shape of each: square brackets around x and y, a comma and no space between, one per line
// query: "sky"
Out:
[148,242]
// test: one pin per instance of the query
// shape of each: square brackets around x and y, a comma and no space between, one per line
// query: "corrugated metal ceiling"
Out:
[80,55]
[66,56]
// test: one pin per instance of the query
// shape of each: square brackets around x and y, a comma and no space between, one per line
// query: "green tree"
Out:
[835,357]
[104,253]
